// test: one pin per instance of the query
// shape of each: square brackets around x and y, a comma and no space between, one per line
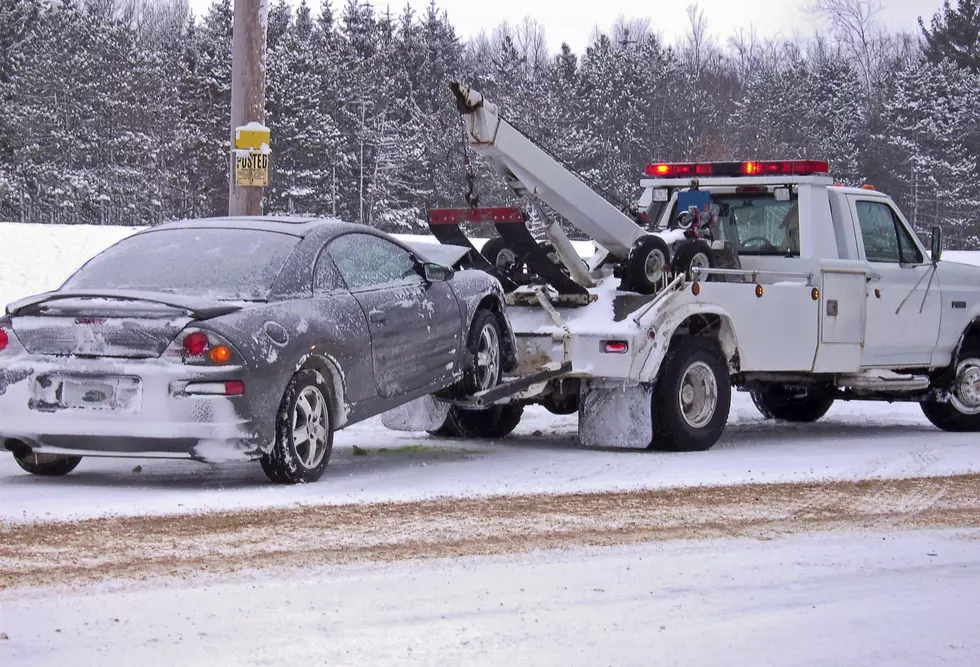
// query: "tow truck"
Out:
[762,276]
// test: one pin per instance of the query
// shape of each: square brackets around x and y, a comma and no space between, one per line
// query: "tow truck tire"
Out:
[961,413]
[497,421]
[500,256]
[46,465]
[647,264]
[693,253]
[692,396]
[775,401]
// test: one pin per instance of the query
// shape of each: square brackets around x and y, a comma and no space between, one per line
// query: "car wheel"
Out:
[484,344]
[304,432]
[46,465]
[692,397]
[804,405]
[497,421]
[961,413]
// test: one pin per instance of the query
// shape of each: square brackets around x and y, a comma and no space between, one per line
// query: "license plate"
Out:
[113,394]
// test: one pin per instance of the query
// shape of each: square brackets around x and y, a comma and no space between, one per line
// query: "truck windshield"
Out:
[758,224]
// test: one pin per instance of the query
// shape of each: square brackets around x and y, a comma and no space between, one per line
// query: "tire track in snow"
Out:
[133,548]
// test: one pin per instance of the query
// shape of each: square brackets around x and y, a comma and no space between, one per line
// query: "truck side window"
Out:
[885,238]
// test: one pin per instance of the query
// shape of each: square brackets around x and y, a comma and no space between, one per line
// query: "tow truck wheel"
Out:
[803,405]
[46,465]
[692,254]
[647,264]
[497,421]
[692,396]
[502,257]
[961,413]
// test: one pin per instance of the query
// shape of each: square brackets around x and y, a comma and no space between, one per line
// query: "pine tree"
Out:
[954,34]
[932,112]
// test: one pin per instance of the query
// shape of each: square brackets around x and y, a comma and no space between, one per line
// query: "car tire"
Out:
[304,432]
[485,353]
[694,372]
[961,412]
[482,372]
[647,264]
[497,421]
[775,401]
[694,253]
[46,465]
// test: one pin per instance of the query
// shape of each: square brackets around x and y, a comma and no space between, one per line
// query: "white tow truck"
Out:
[762,276]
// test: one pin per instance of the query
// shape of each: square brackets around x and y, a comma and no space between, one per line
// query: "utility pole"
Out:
[247,92]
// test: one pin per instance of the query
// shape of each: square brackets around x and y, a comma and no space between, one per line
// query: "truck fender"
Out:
[722,327]
[972,330]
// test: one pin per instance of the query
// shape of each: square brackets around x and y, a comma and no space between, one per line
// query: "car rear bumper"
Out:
[162,421]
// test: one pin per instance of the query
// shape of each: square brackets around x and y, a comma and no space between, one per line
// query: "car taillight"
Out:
[4,340]
[220,354]
[196,344]
[229,388]
[615,347]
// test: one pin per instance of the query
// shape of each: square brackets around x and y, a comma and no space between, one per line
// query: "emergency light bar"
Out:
[754,168]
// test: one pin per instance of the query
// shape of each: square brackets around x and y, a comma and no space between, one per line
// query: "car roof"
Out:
[299,226]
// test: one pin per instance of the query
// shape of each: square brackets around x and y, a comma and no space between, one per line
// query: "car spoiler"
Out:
[201,309]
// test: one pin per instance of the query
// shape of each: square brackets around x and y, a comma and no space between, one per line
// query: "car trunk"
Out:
[96,327]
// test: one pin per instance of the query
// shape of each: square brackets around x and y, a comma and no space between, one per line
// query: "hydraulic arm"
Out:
[529,170]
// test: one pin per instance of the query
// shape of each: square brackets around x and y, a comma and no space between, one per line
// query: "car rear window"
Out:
[223,264]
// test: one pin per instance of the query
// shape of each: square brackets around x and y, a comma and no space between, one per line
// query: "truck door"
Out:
[903,294]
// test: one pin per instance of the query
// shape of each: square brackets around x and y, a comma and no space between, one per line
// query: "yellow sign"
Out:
[251,169]
[252,135]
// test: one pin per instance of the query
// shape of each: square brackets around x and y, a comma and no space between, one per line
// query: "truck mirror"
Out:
[937,244]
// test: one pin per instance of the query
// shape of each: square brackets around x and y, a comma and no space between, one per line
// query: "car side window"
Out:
[325,278]
[366,261]
[885,238]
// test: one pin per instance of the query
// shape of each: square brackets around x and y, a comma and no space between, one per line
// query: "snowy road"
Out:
[855,441]
[858,598]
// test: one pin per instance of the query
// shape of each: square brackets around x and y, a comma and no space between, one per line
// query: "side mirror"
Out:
[937,244]
[436,273]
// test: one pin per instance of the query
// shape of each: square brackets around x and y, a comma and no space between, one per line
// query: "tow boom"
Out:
[529,170]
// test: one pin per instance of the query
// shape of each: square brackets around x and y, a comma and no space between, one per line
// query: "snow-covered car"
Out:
[242,338]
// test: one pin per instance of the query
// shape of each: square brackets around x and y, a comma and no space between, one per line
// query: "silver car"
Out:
[242,338]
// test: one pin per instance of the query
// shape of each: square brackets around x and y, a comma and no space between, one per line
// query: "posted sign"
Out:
[251,169]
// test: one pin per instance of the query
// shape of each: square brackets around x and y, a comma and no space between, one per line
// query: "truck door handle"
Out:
[874,276]
[377,316]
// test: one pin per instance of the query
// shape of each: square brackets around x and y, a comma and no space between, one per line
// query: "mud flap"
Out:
[614,414]
[422,414]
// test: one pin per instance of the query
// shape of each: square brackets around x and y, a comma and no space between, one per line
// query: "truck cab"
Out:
[848,303]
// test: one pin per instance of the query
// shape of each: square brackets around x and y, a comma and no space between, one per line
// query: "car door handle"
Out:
[377,316]
[873,277]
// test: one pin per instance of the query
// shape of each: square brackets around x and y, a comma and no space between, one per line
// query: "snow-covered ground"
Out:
[856,440]
[851,595]
[865,598]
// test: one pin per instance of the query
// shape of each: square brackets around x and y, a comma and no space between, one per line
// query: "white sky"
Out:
[573,21]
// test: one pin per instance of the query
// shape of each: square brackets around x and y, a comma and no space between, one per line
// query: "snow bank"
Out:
[37,258]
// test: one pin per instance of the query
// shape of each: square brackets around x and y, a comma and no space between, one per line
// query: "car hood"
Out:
[439,253]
